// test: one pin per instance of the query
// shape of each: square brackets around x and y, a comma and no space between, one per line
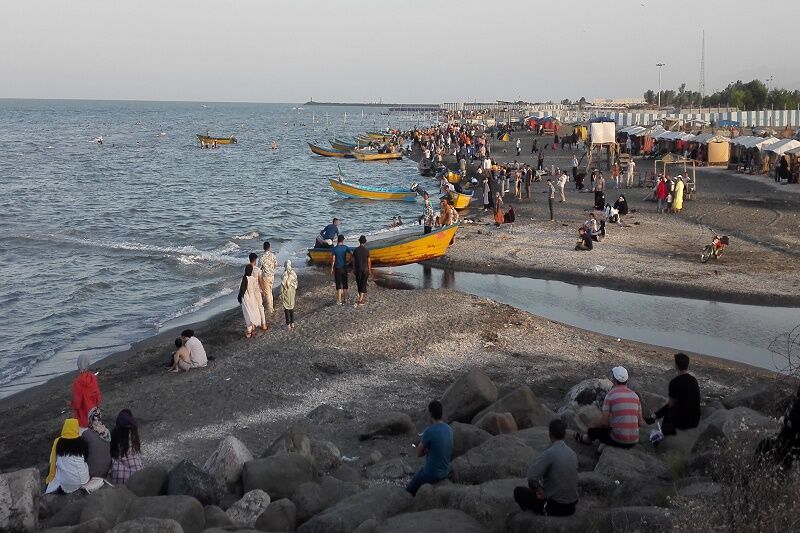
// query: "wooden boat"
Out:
[505,137]
[379,136]
[342,147]
[372,193]
[375,156]
[328,153]
[461,200]
[453,177]
[206,139]
[399,250]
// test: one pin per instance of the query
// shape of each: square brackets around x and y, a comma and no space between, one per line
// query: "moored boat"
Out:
[207,139]
[372,193]
[399,250]
[328,152]
[453,177]
[342,146]
[461,200]
[375,156]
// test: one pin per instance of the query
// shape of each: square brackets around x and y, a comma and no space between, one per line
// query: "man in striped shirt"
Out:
[622,415]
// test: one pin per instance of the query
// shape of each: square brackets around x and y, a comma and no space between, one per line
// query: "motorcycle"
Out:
[714,249]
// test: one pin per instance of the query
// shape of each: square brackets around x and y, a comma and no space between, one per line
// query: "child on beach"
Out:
[288,292]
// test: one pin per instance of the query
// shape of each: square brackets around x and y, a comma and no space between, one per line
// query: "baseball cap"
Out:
[620,374]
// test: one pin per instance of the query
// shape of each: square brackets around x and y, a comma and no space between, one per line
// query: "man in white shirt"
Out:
[574,167]
[487,164]
[562,180]
[268,263]
[197,354]
[629,173]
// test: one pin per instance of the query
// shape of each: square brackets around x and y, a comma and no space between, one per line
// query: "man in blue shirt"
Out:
[327,235]
[339,268]
[437,447]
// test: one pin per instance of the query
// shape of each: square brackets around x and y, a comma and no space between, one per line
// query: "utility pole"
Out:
[703,66]
[659,65]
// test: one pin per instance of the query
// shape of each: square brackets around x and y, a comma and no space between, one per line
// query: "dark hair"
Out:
[335,220]
[252,257]
[340,238]
[124,440]
[266,245]
[435,409]
[557,429]
[362,239]
[76,446]
[178,342]
[187,333]
[248,270]
[682,361]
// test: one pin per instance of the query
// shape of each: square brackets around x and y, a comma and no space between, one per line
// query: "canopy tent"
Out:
[793,151]
[632,130]
[652,131]
[783,146]
[674,136]
[759,143]
[743,139]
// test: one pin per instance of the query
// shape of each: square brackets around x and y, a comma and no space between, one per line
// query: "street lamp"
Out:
[659,65]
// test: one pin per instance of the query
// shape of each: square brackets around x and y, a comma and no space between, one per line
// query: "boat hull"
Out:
[371,193]
[361,156]
[328,152]
[461,200]
[403,251]
[205,139]
[337,145]
[453,177]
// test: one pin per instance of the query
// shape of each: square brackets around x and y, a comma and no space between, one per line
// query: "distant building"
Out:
[618,102]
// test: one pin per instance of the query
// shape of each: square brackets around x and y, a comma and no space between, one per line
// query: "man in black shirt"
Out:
[362,267]
[682,410]
[584,240]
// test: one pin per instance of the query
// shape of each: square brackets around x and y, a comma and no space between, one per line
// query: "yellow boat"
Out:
[328,153]
[399,250]
[378,136]
[461,200]
[505,137]
[206,139]
[453,177]
[372,193]
[375,156]
[337,145]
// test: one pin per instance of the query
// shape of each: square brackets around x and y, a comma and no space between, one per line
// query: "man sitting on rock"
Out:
[682,410]
[552,479]
[437,447]
[622,415]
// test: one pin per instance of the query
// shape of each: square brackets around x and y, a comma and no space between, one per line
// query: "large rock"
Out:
[621,464]
[433,520]
[467,396]
[279,516]
[588,392]
[326,414]
[313,498]
[524,406]
[679,444]
[388,424]
[496,423]
[216,517]
[580,417]
[526,522]
[326,456]
[500,457]
[226,463]
[19,500]
[187,479]
[741,420]
[279,475]
[466,437]
[538,438]
[293,440]
[107,503]
[149,481]
[649,519]
[396,468]
[185,510]
[643,492]
[709,439]
[764,397]
[95,525]
[148,525]
[379,502]
[705,491]
[594,484]
[69,515]
[489,503]
[244,512]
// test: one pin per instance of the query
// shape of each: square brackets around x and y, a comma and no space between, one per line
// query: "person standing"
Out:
[487,194]
[519,146]
[551,195]
[615,173]
[629,177]
[288,292]
[261,290]
[535,146]
[662,191]
[268,263]
[436,445]
[498,210]
[85,392]
[677,196]
[562,181]
[574,167]
[362,268]
[339,268]
[540,162]
[248,299]
[599,192]
[427,213]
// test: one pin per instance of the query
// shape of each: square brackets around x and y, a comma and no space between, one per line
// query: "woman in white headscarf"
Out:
[288,292]
[248,297]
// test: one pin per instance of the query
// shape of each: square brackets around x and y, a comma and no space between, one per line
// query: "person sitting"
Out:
[621,205]
[612,215]
[197,353]
[784,448]
[553,478]
[510,216]
[180,357]
[98,445]
[436,445]
[584,240]
[327,235]
[682,410]
[619,424]
[592,227]
[125,448]
[85,392]
[68,469]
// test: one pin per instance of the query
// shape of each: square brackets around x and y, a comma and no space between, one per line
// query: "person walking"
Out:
[362,268]
[551,195]
[574,167]
[260,293]
[339,268]
[519,146]
[540,162]
[629,173]
[288,292]
[248,289]
[562,181]
[268,263]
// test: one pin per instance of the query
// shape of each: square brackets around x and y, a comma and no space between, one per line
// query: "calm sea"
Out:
[102,245]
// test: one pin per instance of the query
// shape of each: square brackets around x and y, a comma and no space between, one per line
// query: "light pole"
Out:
[659,65]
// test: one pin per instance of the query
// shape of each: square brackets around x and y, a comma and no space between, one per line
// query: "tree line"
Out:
[753,95]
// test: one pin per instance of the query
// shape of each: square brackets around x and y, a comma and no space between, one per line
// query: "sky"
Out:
[401,51]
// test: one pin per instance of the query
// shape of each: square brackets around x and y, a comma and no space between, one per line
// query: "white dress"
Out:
[250,303]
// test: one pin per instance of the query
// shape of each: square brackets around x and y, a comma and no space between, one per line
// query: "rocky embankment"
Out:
[301,483]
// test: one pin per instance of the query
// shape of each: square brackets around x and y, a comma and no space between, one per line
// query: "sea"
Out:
[102,245]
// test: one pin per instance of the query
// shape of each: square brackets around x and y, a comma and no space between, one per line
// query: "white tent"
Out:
[763,143]
[793,151]
[743,139]
[783,146]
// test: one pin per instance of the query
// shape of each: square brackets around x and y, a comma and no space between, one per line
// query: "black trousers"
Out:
[528,501]
[671,421]
[550,205]
[289,314]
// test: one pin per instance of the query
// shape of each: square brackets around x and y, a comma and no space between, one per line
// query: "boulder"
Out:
[279,516]
[502,456]
[741,419]
[187,479]
[489,503]
[148,525]
[69,515]
[326,455]
[185,510]
[467,396]
[387,424]
[396,468]
[681,443]
[537,438]
[216,517]
[279,475]
[379,502]
[313,498]
[433,520]
[708,439]
[650,519]
[594,484]
[466,437]
[347,473]
[293,440]
[702,462]
[526,522]
[226,463]
[51,504]
[621,464]
[701,491]
[374,458]
[588,392]
[149,481]
[20,493]
[524,406]
[107,503]
[95,525]
[326,414]
[496,423]
[579,417]
[244,512]
[764,397]
[642,492]
[367,526]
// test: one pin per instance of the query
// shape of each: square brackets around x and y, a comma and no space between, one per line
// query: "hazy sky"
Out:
[398,51]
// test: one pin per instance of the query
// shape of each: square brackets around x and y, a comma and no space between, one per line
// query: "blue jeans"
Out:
[419,479]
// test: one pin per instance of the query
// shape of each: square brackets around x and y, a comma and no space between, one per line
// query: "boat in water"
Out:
[351,190]
[400,249]
[343,146]
[209,140]
[376,156]
[328,152]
